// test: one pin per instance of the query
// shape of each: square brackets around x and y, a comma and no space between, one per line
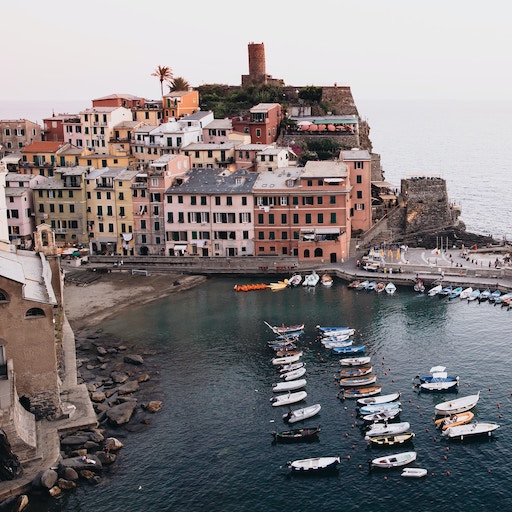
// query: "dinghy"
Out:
[364,380]
[288,398]
[434,290]
[286,359]
[356,372]
[289,385]
[382,416]
[301,414]
[390,288]
[293,374]
[297,435]
[314,464]
[414,472]
[354,349]
[379,399]
[382,429]
[355,361]
[394,461]
[358,392]
[454,420]
[457,405]
[375,408]
[391,440]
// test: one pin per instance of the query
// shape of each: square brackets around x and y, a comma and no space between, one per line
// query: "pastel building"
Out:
[180,103]
[262,124]
[210,213]
[211,156]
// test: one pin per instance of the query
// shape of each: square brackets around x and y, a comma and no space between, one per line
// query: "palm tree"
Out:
[164,74]
[179,84]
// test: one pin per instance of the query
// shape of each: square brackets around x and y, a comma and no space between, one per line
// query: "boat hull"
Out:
[314,465]
[458,405]
[394,461]
[297,435]
[288,398]
[414,473]
[355,361]
[470,430]
[391,440]
[359,392]
[301,414]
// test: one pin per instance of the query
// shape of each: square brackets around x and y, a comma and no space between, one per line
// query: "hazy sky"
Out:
[56,49]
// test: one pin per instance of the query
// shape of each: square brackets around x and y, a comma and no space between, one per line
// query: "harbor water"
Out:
[211,446]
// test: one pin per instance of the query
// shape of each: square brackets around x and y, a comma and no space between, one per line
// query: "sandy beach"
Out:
[113,292]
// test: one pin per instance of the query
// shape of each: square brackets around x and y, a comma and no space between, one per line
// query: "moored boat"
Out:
[390,288]
[293,374]
[301,414]
[382,429]
[292,366]
[295,280]
[391,439]
[383,416]
[454,420]
[434,290]
[359,392]
[470,430]
[474,295]
[455,293]
[391,397]
[355,349]
[357,371]
[286,359]
[376,408]
[287,329]
[290,385]
[355,361]
[314,464]
[363,380]
[288,398]
[311,279]
[414,472]
[380,287]
[457,405]
[326,280]
[464,294]
[394,461]
[297,435]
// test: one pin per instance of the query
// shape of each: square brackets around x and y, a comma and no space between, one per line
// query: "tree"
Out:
[179,84]
[164,74]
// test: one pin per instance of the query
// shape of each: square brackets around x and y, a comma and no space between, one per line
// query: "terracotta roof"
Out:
[46,146]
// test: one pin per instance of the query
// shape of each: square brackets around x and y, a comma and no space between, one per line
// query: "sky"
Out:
[382,49]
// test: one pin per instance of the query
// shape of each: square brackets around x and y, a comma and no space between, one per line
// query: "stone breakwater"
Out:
[123,387]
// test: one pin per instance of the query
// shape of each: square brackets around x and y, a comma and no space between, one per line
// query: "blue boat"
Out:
[357,349]
[494,295]
[445,291]
[323,328]
[484,295]
[455,293]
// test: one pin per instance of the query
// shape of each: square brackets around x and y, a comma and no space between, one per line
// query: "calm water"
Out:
[210,447]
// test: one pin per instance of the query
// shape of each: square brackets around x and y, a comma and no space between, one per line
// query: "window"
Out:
[245,217]
[110,227]
[180,199]
[320,218]
[260,218]
[284,218]
[284,235]
[308,218]
[217,201]
[359,194]
[34,312]
[332,199]
[229,201]
[245,235]
[261,235]
[309,183]
[283,201]
[271,218]
[258,133]
[170,217]
[295,218]
[358,165]
[244,201]
[359,206]
[333,218]
[193,200]
[320,200]
[142,224]
[308,200]
[271,235]
[3,296]
[295,200]
[203,200]
[359,178]
[157,226]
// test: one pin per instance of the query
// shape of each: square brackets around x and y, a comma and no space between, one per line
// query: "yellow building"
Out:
[179,103]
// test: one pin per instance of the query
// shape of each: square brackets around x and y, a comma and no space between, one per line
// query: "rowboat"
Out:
[288,398]
[295,280]
[414,472]
[364,380]
[326,280]
[394,461]
[362,285]
[444,292]
[301,414]
[391,440]
[291,385]
[286,359]
[383,429]
[494,295]
[287,329]
[454,420]
[293,374]
[355,361]
[359,392]
[375,408]
[464,294]
[371,286]
[330,343]
[475,294]
[311,279]
[380,287]
[297,435]
[354,284]
[457,405]
[355,349]
[484,295]
[356,372]
[314,464]
[331,331]
[379,399]
[287,351]
[455,293]
[434,290]
[390,288]
[470,430]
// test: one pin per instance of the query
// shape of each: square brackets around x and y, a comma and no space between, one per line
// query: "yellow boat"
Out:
[454,420]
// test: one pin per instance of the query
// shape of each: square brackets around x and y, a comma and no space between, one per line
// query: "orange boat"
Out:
[249,287]
[454,420]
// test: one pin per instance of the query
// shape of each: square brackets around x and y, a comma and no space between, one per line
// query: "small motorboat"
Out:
[438,380]
[295,280]
[484,295]
[354,349]
[301,414]
[311,279]
[287,329]
[291,385]
[445,292]
[391,440]
[326,280]
[394,461]
[477,428]
[293,374]
[355,361]
[358,392]
[357,371]
[474,295]
[380,287]
[363,380]
[288,398]
[455,293]
[292,366]
[454,420]
[363,284]
[382,416]
[286,359]
[434,290]
[297,435]
[383,429]
[314,464]
[391,397]
[464,294]
[390,288]
[457,405]
[414,472]
[376,408]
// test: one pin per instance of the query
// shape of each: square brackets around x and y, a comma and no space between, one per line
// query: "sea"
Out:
[210,447]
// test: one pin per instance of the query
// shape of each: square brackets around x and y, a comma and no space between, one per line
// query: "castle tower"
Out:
[257,67]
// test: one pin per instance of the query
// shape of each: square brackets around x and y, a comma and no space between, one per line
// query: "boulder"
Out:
[128,387]
[153,406]
[133,359]
[121,413]
[49,478]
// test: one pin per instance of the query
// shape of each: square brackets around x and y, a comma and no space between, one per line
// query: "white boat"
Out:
[290,385]
[314,464]
[337,343]
[382,416]
[311,279]
[363,380]
[394,461]
[457,405]
[286,359]
[292,366]
[464,294]
[477,428]
[340,332]
[301,414]
[363,284]
[293,374]
[288,398]
[355,361]
[475,294]
[414,472]
[295,280]
[390,288]
[383,429]
[435,290]
[438,380]
[391,397]
[375,408]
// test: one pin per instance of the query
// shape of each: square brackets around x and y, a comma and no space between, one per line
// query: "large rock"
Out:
[49,478]
[128,387]
[133,359]
[122,413]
